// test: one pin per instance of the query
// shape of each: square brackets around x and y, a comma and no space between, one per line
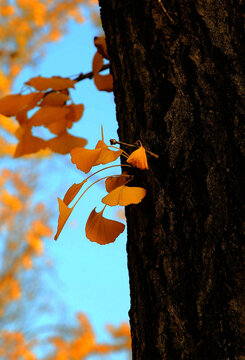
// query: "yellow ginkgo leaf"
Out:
[56,83]
[101,230]
[113,182]
[138,159]
[106,155]
[75,112]
[54,99]
[48,114]
[64,213]
[11,105]
[29,144]
[72,192]
[58,127]
[102,82]
[124,195]
[65,142]
[84,159]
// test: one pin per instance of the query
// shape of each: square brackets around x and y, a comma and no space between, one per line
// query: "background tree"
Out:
[178,85]
[23,221]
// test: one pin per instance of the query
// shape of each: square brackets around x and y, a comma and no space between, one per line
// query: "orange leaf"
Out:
[124,195]
[11,201]
[84,158]
[48,114]
[64,213]
[10,105]
[102,82]
[75,113]
[100,43]
[54,99]
[72,192]
[113,182]
[106,156]
[138,158]
[56,83]
[29,144]
[41,229]
[101,230]
[64,143]
[58,127]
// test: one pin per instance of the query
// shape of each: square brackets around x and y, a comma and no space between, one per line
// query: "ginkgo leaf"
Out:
[100,43]
[101,230]
[84,159]
[56,83]
[138,159]
[113,182]
[29,144]
[21,117]
[75,112]
[54,99]
[72,192]
[58,127]
[106,156]
[48,114]
[102,82]
[11,105]
[64,213]
[65,142]
[124,195]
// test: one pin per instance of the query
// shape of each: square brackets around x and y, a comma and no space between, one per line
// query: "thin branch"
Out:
[90,75]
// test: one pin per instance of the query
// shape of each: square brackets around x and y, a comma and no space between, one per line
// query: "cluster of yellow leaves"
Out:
[17,255]
[27,26]
[51,96]
[99,229]
[13,346]
[84,342]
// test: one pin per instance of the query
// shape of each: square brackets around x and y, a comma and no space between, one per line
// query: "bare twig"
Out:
[90,75]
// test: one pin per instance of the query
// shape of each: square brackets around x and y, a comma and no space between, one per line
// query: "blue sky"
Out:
[89,278]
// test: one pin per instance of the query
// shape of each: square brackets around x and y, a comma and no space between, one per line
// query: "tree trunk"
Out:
[178,84]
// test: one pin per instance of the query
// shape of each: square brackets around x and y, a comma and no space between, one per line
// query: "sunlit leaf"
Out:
[41,229]
[113,182]
[48,114]
[101,230]
[72,192]
[58,127]
[64,213]
[124,195]
[11,201]
[84,159]
[138,158]
[8,124]
[35,242]
[11,105]
[106,156]
[29,144]
[75,113]
[56,83]
[64,143]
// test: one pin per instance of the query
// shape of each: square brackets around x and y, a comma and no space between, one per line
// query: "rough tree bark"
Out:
[178,84]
